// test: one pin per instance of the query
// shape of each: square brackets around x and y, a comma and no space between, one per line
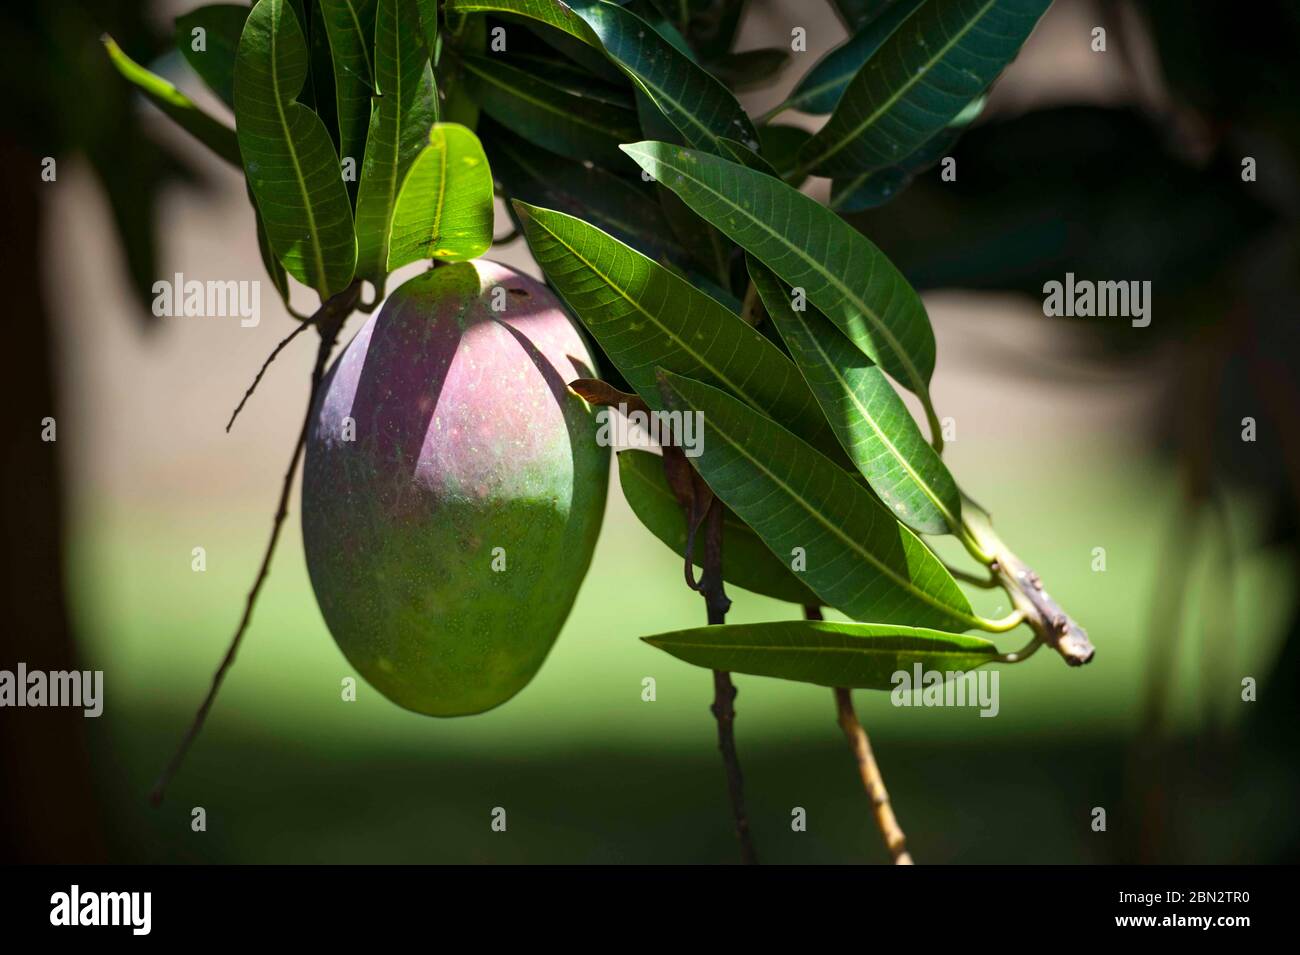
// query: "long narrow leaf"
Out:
[859,559]
[868,416]
[289,160]
[821,88]
[696,103]
[941,58]
[350,29]
[444,209]
[217,136]
[645,317]
[864,656]
[811,248]
[400,118]
[548,114]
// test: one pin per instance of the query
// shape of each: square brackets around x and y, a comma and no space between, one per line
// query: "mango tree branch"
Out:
[872,781]
[275,352]
[724,691]
[1049,621]
[701,511]
[328,319]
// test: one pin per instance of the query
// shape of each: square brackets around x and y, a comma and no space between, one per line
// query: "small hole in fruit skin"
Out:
[518,291]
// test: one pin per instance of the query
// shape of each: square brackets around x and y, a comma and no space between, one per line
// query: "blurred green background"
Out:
[588,772]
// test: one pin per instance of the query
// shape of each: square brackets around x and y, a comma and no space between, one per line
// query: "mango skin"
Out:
[466,440]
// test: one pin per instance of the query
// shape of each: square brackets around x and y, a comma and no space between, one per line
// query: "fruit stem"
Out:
[328,319]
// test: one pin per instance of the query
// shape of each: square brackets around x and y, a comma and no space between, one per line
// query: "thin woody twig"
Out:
[302,326]
[872,781]
[724,691]
[329,320]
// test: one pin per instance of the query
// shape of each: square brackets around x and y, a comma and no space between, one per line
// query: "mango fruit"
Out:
[453,488]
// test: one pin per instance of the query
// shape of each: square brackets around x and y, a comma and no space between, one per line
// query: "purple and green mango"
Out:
[453,488]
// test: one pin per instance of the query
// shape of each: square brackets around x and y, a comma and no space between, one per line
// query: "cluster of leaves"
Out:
[672,225]
[339,132]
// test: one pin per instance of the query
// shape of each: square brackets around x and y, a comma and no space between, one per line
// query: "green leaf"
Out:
[746,561]
[823,85]
[400,118]
[222,23]
[350,29]
[809,247]
[548,114]
[869,190]
[941,58]
[779,144]
[623,208]
[866,413]
[696,103]
[444,209]
[428,11]
[644,316]
[739,152]
[856,655]
[180,108]
[288,157]
[279,277]
[859,559]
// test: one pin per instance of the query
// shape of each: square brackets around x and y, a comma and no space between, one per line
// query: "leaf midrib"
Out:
[651,317]
[788,648]
[916,77]
[539,103]
[866,415]
[853,545]
[317,252]
[921,388]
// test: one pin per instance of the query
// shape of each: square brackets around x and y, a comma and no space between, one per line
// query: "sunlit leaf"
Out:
[857,557]
[855,655]
[214,134]
[868,416]
[645,317]
[810,248]
[444,208]
[869,190]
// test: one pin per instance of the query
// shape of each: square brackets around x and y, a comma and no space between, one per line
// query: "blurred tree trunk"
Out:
[48,811]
